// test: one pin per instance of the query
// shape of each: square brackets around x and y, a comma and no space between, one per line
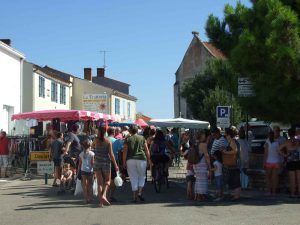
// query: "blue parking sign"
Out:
[223,111]
[223,116]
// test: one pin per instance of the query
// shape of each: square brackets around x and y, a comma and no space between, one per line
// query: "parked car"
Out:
[257,133]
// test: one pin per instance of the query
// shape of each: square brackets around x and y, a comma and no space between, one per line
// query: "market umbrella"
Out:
[180,123]
[63,115]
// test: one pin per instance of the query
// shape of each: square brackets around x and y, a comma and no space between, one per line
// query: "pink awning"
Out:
[141,123]
[64,115]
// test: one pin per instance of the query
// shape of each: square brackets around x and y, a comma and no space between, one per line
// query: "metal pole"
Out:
[247,125]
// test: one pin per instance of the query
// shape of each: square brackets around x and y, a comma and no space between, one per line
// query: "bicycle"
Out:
[160,176]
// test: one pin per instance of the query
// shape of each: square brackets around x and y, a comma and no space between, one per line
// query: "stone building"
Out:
[193,62]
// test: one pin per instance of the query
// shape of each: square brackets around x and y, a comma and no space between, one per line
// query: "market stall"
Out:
[27,146]
[180,123]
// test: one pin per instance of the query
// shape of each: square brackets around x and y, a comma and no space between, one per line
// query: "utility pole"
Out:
[104,57]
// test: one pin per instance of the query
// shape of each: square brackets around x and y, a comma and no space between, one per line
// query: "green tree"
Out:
[203,93]
[195,90]
[218,97]
[265,47]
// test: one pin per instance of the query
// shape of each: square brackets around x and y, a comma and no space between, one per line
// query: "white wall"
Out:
[124,115]
[10,80]
[40,103]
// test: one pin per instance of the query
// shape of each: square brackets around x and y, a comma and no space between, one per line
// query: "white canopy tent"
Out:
[180,123]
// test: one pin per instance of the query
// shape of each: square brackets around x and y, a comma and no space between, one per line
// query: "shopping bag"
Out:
[118,180]
[95,188]
[78,188]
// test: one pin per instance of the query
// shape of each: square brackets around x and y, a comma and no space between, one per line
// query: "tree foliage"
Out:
[263,42]
[203,93]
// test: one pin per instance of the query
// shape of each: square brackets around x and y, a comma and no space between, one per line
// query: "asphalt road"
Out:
[34,203]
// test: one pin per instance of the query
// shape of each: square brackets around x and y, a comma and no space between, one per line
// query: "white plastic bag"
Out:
[95,188]
[78,188]
[118,180]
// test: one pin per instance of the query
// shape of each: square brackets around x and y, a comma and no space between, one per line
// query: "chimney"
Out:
[195,33]
[88,74]
[100,72]
[6,41]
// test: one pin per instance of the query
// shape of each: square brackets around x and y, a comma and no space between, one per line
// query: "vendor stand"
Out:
[31,145]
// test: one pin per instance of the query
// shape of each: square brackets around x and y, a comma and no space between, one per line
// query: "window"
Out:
[117,106]
[128,109]
[42,87]
[123,108]
[62,94]
[53,91]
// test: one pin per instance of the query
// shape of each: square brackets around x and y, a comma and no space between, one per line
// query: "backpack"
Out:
[158,148]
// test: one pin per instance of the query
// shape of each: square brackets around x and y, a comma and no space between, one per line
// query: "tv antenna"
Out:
[104,57]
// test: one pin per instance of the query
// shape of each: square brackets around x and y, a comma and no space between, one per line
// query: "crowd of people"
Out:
[213,156]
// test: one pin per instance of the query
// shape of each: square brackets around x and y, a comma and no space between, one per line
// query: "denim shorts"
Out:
[219,182]
[57,162]
[83,173]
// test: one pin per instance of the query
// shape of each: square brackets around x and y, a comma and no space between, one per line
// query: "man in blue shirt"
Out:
[116,147]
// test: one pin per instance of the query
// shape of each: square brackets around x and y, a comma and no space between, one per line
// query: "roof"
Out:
[51,74]
[213,50]
[113,84]
[144,117]
[11,50]
[63,75]
[123,95]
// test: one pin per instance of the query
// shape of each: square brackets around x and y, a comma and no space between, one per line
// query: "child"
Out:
[190,180]
[218,170]
[56,155]
[66,177]
[86,162]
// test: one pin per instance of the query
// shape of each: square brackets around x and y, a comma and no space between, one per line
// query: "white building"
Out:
[43,90]
[11,75]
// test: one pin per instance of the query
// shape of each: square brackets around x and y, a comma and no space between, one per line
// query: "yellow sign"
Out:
[39,156]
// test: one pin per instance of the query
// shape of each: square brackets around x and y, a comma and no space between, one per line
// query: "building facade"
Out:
[99,93]
[43,90]
[91,96]
[193,63]
[11,76]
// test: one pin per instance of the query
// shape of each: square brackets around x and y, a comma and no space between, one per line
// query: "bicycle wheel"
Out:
[157,186]
[157,179]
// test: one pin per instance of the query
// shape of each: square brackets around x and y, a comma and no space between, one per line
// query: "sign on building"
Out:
[95,103]
[223,116]
[45,167]
[245,87]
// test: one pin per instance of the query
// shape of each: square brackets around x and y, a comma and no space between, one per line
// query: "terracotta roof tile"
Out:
[213,50]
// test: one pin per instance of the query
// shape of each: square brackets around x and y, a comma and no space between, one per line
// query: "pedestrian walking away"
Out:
[135,156]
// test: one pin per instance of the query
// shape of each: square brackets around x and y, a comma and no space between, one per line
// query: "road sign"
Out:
[39,156]
[44,167]
[245,87]
[223,116]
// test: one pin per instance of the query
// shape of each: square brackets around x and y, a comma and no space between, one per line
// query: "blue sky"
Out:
[145,40]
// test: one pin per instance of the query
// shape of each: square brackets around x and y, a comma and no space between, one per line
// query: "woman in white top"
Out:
[271,163]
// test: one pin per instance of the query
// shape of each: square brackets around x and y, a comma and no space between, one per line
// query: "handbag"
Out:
[118,180]
[95,188]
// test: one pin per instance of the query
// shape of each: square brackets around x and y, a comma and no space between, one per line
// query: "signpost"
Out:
[43,165]
[39,156]
[223,116]
[245,87]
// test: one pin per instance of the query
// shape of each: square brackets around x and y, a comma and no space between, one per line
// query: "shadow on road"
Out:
[46,197]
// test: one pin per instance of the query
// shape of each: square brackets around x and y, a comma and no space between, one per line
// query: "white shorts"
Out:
[3,161]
